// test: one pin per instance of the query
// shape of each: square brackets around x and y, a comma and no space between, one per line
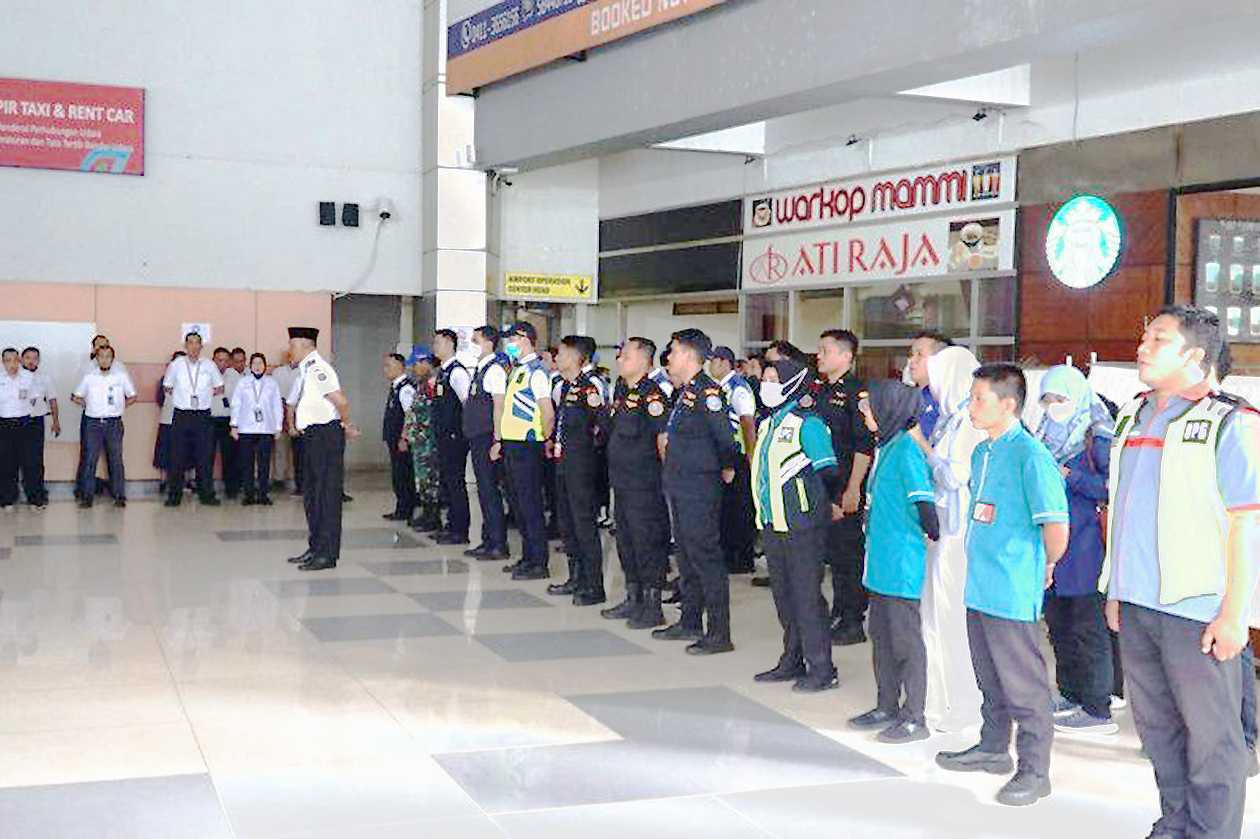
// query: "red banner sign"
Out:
[81,127]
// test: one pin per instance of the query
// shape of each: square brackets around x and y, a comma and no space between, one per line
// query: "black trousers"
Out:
[452,470]
[1082,651]
[325,452]
[525,471]
[846,554]
[229,452]
[1011,675]
[12,434]
[739,533]
[603,487]
[298,446]
[402,473]
[578,501]
[1186,707]
[489,497]
[705,581]
[192,445]
[1248,661]
[102,435]
[31,462]
[795,560]
[898,656]
[551,494]
[642,536]
[254,463]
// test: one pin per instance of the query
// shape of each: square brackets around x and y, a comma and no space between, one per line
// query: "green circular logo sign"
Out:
[1083,242]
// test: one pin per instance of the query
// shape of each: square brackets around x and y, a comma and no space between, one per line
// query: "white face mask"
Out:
[771,394]
[1060,411]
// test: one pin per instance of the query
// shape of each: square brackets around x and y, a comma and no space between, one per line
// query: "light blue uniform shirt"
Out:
[1135,509]
[896,548]
[1016,487]
[815,442]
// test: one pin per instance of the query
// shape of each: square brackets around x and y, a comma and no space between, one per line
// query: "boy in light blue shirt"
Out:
[1017,532]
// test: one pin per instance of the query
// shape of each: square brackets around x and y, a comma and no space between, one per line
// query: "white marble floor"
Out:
[165,673]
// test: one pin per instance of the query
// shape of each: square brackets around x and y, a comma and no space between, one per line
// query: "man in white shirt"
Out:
[480,419]
[192,382]
[401,396]
[43,401]
[220,417]
[15,417]
[103,395]
[89,366]
[257,418]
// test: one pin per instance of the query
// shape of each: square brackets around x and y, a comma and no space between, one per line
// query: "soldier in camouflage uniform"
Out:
[418,432]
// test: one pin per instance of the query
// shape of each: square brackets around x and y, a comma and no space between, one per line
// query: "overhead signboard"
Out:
[559,288]
[965,186]
[80,127]
[513,36]
[974,244]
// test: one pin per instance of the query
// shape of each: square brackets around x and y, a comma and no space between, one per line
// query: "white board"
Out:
[63,352]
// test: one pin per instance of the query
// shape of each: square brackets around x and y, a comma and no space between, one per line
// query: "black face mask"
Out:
[258,375]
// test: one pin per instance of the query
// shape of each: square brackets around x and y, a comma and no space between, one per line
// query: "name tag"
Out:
[109,397]
[194,402]
[984,513]
[258,415]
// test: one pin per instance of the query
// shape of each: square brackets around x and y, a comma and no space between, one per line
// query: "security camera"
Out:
[384,209]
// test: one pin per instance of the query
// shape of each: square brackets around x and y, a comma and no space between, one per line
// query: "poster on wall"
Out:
[982,244]
[78,127]
[1227,275]
[513,36]
[202,328]
[556,288]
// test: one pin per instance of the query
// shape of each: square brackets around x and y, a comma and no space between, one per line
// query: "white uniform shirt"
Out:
[256,406]
[15,393]
[598,379]
[662,380]
[193,383]
[742,401]
[105,394]
[221,406]
[406,393]
[285,377]
[41,393]
[316,380]
[460,381]
[495,381]
[540,381]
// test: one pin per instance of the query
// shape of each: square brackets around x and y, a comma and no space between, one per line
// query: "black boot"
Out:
[569,586]
[649,615]
[626,608]
[589,597]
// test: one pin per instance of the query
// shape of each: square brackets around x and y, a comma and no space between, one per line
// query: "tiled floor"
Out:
[165,673]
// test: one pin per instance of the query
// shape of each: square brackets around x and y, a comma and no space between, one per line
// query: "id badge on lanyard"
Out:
[109,396]
[194,402]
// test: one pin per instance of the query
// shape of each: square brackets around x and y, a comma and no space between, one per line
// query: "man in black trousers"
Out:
[480,415]
[397,403]
[451,392]
[192,382]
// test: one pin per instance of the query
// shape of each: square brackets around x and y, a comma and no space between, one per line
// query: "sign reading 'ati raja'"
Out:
[564,288]
[513,36]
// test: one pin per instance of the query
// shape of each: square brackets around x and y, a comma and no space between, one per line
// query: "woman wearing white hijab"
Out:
[953,700]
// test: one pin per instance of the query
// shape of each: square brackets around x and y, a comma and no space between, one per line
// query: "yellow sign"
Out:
[568,288]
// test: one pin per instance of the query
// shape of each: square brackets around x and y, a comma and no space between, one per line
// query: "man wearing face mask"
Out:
[1183,557]
[527,420]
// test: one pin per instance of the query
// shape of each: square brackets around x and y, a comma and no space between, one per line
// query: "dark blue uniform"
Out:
[448,425]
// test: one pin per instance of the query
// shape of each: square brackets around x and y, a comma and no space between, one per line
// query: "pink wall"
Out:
[143,324]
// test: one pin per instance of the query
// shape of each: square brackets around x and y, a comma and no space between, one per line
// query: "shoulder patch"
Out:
[713,403]
[712,391]
[322,376]
[656,407]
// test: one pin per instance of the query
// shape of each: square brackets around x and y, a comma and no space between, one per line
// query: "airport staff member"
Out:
[43,401]
[738,535]
[15,415]
[450,394]
[103,395]
[700,456]
[191,383]
[221,419]
[257,420]
[480,417]
[398,401]
[321,414]
[1182,563]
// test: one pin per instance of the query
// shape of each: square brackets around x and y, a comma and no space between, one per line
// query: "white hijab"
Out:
[949,378]
[955,438]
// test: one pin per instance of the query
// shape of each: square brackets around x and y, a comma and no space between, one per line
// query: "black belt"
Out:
[204,411]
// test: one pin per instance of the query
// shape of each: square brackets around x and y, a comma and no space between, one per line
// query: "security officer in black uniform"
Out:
[489,382]
[639,416]
[836,398]
[397,402]
[581,431]
[700,455]
[451,391]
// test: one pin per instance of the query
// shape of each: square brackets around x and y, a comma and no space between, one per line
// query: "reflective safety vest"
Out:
[786,491]
[1193,522]
[728,390]
[522,419]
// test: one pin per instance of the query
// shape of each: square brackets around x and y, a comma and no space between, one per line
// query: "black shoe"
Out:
[478,552]
[761,582]
[626,608]
[211,501]
[171,501]
[873,719]
[710,647]
[816,684]
[265,500]
[678,632]
[539,573]
[848,635]
[494,555]
[781,673]
[1024,789]
[346,499]
[319,563]
[427,526]
[511,567]
[904,732]
[395,516]
[120,502]
[85,504]
[589,598]
[565,589]
[649,615]
[248,501]
[450,539]
[303,557]
[976,759]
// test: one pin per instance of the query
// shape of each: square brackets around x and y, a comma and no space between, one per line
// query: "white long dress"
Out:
[953,700]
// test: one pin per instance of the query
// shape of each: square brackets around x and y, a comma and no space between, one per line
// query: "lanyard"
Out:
[192,380]
[258,389]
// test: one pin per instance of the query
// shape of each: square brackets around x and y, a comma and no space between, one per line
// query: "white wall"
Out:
[255,111]
[655,320]
[548,221]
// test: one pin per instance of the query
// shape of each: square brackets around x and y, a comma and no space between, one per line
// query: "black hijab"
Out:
[894,404]
[793,376]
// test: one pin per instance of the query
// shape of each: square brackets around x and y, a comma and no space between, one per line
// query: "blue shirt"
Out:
[815,442]
[1077,572]
[929,412]
[896,548]
[1135,510]
[1016,487]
